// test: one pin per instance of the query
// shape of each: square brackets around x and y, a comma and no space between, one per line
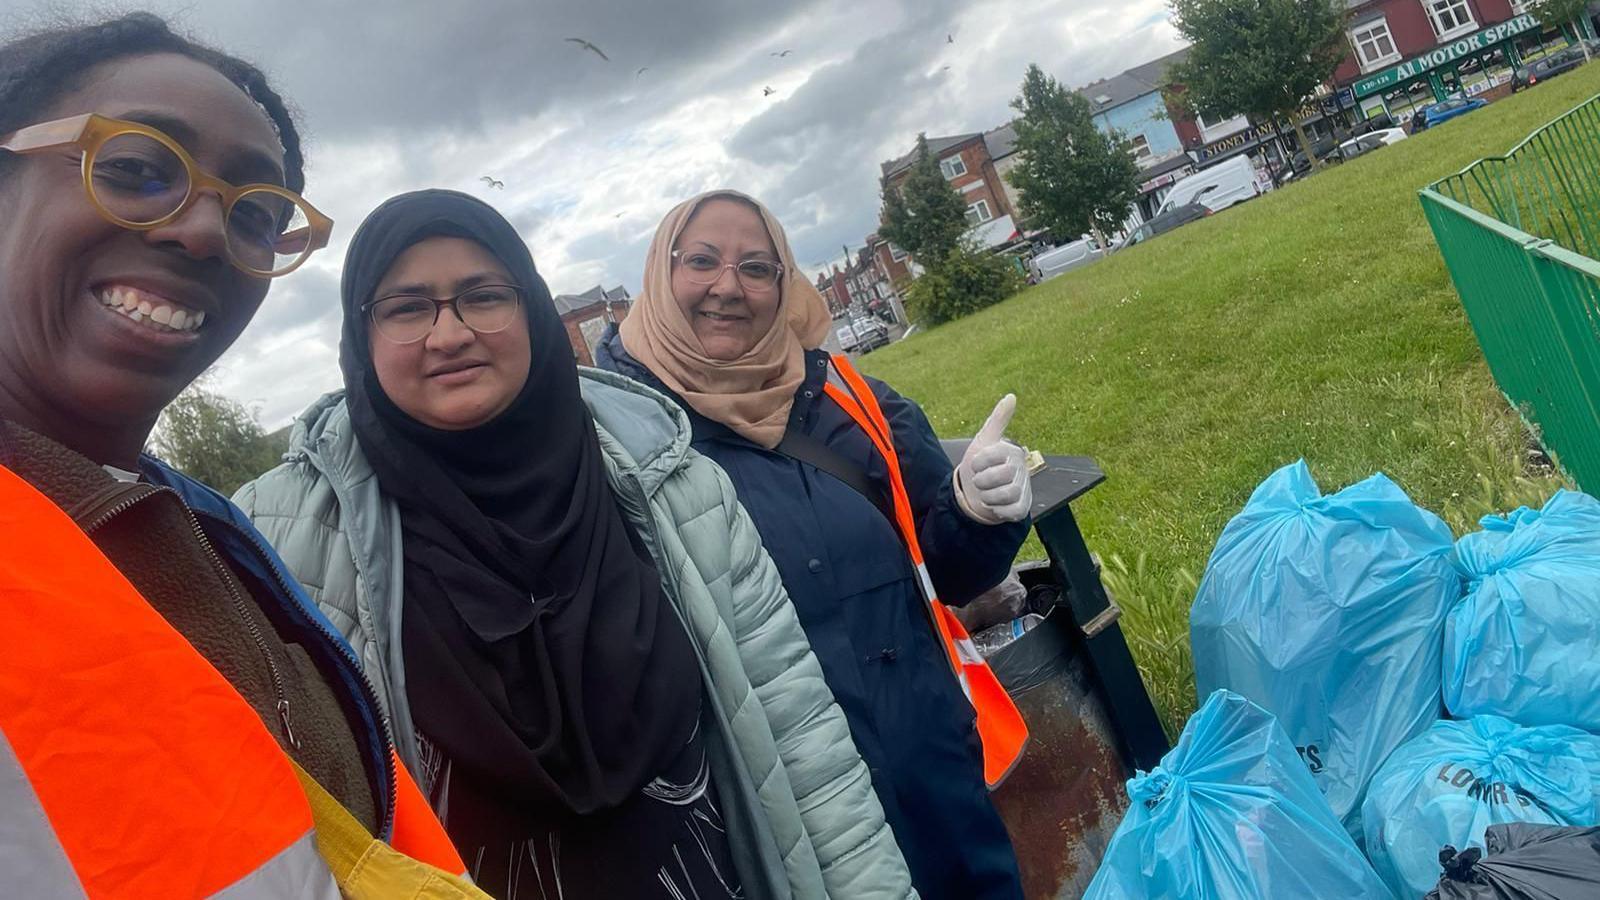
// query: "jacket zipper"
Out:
[101,519]
[370,694]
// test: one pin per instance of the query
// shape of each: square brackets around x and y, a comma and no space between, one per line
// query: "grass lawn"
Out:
[1315,322]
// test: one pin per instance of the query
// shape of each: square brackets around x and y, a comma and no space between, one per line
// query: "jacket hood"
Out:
[642,431]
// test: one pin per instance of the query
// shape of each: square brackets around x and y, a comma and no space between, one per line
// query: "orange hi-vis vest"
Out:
[129,767]
[1000,725]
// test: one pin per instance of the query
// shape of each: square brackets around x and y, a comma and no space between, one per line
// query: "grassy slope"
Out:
[1318,321]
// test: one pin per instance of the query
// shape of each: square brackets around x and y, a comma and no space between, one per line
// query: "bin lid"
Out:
[1062,480]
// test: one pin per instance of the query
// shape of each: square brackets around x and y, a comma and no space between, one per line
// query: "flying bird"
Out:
[618,215]
[642,70]
[948,39]
[780,55]
[767,92]
[945,69]
[492,182]
[585,45]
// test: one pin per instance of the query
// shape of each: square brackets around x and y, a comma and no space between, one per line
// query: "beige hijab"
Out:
[751,394]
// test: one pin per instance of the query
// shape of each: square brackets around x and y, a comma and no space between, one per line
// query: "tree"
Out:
[925,216]
[1073,177]
[1560,13]
[964,281]
[1262,58]
[215,440]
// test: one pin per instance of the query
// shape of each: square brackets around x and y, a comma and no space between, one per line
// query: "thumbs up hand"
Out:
[991,482]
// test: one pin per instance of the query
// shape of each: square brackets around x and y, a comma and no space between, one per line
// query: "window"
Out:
[952,167]
[1211,130]
[895,253]
[592,331]
[1139,146]
[1450,17]
[978,213]
[1374,44]
[1519,7]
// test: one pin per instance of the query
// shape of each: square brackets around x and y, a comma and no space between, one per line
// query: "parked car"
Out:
[1429,116]
[1056,260]
[860,333]
[1219,187]
[1557,63]
[1168,219]
[1372,140]
[1300,165]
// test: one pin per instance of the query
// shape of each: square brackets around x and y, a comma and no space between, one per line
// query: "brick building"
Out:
[864,284]
[1407,54]
[965,161]
[587,315]
[892,263]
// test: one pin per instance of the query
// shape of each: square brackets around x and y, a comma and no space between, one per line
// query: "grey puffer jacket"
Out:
[804,819]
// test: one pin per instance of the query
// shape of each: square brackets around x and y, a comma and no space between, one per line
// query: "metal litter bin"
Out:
[1091,723]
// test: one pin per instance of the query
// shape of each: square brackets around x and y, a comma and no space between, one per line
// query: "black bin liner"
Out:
[1524,862]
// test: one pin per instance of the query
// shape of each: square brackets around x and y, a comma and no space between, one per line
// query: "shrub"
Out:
[960,284]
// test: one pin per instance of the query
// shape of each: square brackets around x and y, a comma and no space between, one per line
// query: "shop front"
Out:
[1470,66]
[1322,119]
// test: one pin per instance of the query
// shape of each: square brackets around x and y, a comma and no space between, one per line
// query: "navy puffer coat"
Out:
[854,588]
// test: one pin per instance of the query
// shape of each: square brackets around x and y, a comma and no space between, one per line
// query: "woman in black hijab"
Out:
[582,728]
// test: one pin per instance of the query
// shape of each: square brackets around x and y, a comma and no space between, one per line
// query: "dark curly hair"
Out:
[38,69]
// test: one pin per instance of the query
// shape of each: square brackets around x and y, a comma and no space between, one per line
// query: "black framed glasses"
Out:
[408,318]
[139,178]
[705,267]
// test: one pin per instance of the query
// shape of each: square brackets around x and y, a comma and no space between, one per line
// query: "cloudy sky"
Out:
[405,94]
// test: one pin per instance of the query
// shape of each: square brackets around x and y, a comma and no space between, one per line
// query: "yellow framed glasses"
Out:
[139,178]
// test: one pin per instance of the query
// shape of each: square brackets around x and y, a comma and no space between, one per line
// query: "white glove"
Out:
[992,484]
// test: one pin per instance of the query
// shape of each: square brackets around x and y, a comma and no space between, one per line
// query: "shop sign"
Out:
[1473,43]
[1234,141]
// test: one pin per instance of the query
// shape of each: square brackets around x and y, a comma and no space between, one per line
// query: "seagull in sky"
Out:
[780,55]
[767,92]
[585,45]
[492,182]
[948,39]
[642,70]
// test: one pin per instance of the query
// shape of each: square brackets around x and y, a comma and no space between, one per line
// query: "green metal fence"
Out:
[1519,234]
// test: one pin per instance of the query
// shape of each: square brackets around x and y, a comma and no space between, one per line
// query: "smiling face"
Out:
[727,317]
[455,378]
[84,301]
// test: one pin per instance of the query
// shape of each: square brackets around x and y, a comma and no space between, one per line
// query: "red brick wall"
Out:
[1413,30]
[975,155]
[574,320]
[883,257]
[1187,128]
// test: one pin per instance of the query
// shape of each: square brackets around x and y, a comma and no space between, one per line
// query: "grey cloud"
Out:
[419,65]
[306,296]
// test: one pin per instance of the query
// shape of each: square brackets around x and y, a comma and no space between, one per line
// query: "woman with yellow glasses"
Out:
[176,719]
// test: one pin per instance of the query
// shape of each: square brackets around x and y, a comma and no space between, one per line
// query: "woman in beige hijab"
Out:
[729,327]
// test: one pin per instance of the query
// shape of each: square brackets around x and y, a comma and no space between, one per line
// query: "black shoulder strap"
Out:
[807,449]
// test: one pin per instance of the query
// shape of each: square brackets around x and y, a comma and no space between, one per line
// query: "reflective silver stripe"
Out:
[925,583]
[968,652]
[32,861]
[296,873]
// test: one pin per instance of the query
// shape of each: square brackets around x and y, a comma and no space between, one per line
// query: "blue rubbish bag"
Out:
[1231,814]
[1525,643]
[1329,612]
[1445,787]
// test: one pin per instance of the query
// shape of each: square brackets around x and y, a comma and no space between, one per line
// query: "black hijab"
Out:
[541,653]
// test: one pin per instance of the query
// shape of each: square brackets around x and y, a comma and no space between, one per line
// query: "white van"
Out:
[1228,182]
[1056,260]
